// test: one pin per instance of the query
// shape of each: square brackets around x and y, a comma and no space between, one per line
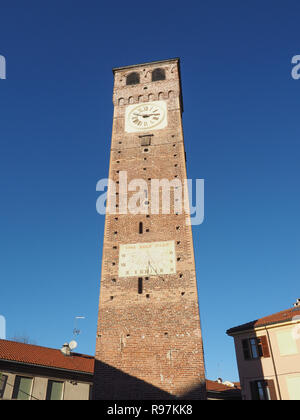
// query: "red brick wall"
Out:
[148,345]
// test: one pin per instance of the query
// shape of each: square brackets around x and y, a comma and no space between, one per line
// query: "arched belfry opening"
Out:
[158,74]
[133,79]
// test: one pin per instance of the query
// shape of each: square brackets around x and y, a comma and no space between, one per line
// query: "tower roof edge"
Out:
[177,59]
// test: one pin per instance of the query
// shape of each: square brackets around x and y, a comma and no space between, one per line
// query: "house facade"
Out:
[29,372]
[268,356]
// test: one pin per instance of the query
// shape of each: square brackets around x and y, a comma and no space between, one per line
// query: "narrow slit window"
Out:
[141,228]
[140,285]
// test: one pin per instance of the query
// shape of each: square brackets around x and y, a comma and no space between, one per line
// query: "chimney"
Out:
[66,351]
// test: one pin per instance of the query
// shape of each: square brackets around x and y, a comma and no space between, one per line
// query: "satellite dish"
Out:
[68,347]
[73,344]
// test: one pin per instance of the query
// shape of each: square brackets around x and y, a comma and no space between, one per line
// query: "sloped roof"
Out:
[220,387]
[44,356]
[277,318]
[220,391]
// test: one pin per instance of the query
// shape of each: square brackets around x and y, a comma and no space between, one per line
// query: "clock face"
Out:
[146,116]
[147,259]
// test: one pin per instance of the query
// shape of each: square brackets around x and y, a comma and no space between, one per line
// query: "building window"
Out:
[158,74]
[54,390]
[145,140]
[256,350]
[22,388]
[3,380]
[263,390]
[140,228]
[140,286]
[255,347]
[133,79]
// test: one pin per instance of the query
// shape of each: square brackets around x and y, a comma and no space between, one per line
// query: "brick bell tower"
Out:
[149,343]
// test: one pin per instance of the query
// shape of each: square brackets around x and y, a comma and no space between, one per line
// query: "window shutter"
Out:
[246,349]
[265,346]
[272,389]
[254,391]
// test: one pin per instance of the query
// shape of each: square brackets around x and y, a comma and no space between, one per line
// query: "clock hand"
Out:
[145,115]
[149,115]
[155,269]
[151,266]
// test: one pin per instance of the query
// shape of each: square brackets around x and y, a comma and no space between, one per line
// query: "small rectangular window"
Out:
[262,390]
[54,390]
[3,380]
[145,140]
[22,388]
[253,344]
[253,348]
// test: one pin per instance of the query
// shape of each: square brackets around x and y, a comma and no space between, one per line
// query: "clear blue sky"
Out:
[242,132]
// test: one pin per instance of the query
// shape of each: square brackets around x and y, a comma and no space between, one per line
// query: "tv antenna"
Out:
[76,330]
[67,348]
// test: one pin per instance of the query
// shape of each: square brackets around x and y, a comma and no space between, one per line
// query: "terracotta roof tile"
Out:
[216,390]
[44,356]
[219,387]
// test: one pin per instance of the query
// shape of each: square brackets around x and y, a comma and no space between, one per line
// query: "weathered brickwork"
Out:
[149,342]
